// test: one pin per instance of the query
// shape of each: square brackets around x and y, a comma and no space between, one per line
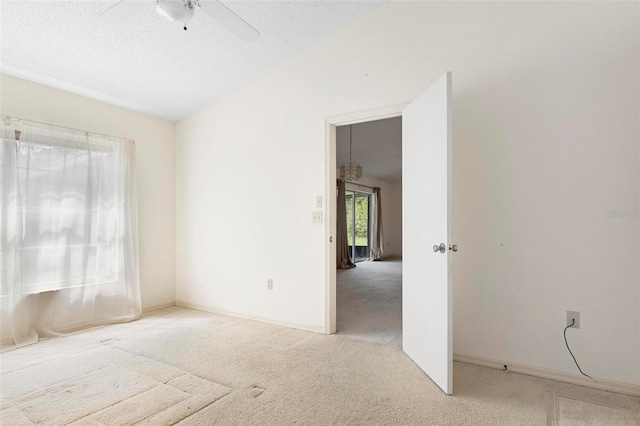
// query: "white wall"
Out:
[546,139]
[155,168]
[391,212]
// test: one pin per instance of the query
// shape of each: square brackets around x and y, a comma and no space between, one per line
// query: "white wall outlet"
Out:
[317,217]
[270,284]
[319,201]
[573,316]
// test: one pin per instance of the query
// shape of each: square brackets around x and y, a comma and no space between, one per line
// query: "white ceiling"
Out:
[376,146]
[152,65]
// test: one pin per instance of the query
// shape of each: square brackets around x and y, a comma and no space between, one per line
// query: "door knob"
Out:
[441,248]
[453,248]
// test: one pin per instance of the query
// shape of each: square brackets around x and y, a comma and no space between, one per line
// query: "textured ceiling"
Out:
[376,145]
[152,65]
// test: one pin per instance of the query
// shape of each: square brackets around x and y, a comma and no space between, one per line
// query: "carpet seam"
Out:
[174,366]
[208,405]
[56,383]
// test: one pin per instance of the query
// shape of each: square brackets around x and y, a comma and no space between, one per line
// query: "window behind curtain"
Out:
[67,199]
[68,230]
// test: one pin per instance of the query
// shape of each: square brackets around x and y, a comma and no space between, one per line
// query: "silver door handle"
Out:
[441,248]
[453,248]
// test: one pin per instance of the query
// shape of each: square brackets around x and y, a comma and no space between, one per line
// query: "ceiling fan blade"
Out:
[124,10]
[232,22]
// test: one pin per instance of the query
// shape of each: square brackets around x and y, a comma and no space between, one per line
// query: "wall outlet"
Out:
[571,316]
[270,284]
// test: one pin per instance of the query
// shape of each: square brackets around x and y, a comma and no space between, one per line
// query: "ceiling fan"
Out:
[183,11]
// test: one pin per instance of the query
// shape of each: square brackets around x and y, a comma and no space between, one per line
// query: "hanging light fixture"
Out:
[350,171]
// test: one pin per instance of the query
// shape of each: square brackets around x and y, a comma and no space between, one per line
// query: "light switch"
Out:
[319,201]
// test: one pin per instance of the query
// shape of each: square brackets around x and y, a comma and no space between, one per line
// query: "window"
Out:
[68,228]
[358,224]
[67,199]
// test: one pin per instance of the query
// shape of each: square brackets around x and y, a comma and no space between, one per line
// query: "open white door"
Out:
[427,306]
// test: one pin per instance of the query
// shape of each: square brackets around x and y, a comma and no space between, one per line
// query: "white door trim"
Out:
[331,123]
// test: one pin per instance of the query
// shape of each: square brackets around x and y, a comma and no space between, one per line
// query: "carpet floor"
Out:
[179,366]
[369,302]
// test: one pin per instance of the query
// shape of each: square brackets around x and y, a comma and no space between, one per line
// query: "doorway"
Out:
[331,125]
[427,310]
[369,294]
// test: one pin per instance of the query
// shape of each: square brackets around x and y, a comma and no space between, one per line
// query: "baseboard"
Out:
[155,308]
[576,379]
[198,307]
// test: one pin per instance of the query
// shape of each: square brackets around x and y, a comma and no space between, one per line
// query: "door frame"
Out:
[331,123]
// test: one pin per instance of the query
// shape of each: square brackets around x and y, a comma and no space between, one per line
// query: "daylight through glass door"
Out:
[358,228]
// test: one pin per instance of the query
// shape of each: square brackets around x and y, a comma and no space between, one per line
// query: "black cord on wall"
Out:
[573,321]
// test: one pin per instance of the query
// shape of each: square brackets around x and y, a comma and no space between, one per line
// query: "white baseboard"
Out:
[155,308]
[576,379]
[198,307]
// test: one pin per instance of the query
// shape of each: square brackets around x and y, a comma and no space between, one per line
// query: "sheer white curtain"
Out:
[68,231]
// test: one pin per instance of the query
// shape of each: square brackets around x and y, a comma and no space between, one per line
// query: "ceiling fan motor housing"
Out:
[176,10]
[182,11]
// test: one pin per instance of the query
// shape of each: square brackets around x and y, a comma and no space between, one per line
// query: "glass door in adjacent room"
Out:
[358,224]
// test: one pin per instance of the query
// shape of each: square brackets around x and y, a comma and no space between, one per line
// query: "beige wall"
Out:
[155,168]
[545,138]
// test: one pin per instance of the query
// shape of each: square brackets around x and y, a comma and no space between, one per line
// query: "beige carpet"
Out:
[193,368]
[571,412]
[369,302]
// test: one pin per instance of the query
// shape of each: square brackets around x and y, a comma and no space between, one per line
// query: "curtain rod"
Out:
[8,120]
